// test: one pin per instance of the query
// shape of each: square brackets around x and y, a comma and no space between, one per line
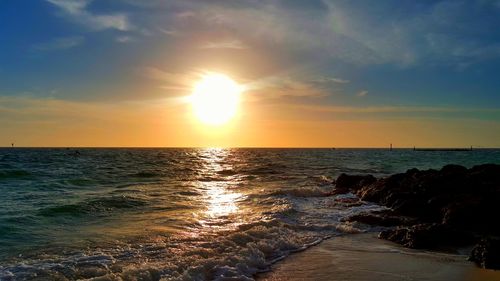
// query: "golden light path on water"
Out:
[221,202]
[222,210]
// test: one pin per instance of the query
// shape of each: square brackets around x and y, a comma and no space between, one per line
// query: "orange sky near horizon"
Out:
[56,123]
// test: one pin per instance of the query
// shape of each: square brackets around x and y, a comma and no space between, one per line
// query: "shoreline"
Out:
[363,257]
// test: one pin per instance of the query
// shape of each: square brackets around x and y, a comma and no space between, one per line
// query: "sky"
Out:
[316,73]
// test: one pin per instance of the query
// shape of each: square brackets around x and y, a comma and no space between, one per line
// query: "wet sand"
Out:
[363,257]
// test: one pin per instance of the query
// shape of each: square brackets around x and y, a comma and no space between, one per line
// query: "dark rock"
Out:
[418,236]
[463,212]
[454,195]
[451,206]
[427,236]
[345,183]
[486,253]
[453,169]
[383,218]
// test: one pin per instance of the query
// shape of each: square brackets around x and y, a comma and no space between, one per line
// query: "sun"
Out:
[215,98]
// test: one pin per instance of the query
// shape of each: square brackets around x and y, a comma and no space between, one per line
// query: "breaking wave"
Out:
[237,254]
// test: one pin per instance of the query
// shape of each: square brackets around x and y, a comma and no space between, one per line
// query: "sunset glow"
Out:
[249,140]
[253,74]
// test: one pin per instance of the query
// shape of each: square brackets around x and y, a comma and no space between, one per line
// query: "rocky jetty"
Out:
[435,209]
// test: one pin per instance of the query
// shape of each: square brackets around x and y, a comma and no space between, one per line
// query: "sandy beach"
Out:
[365,257]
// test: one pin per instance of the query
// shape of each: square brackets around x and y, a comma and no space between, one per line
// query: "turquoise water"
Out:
[180,214]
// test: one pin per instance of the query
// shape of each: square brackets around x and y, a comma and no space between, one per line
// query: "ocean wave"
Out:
[80,182]
[5,165]
[263,171]
[322,180]
[211,179]
[350,228]
[145,174]
[236,254]
[92,206]
[302,192]
[227,172]
[14,174]
[233,255]
[189,193]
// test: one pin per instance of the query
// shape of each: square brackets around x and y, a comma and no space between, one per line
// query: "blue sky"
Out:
[358,60]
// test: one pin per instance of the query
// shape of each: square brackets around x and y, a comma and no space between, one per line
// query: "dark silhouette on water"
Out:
[12,144]
[75,153]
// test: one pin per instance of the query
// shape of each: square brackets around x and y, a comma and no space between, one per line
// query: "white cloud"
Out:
[331,80]
[279,87]
[446,32]
[345,31]
[273,27]
[76,10]
[229,44]
[59,43]
[395,109]
[124,39]
[169,32]
[172,81]
[362,93]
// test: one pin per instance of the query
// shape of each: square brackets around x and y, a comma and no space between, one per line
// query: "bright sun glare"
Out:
[215,98]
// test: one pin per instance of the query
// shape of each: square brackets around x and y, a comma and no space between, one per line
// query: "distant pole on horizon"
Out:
[391,147]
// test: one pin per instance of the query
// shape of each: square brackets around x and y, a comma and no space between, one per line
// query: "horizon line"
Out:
[268,147]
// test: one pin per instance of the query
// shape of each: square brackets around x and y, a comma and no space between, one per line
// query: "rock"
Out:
[463,212]
[346,183]
[453,195]
[486,253]
[383,218]
[427,236]
[420,236]
[449,207]
[453,169]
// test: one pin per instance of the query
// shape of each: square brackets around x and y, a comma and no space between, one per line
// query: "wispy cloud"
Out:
[169,32]
[431,35]
[395,109]
[172,81]
[76,10]
[124,39]
[228,44]
[279,87]
[330,80]
[362,93]
[268,88]
[59,43]
[407,35]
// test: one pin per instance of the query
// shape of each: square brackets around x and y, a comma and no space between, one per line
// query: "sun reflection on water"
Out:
[221,202]
[221,210]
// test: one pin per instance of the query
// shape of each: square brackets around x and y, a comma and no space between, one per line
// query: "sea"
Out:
[182,213]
